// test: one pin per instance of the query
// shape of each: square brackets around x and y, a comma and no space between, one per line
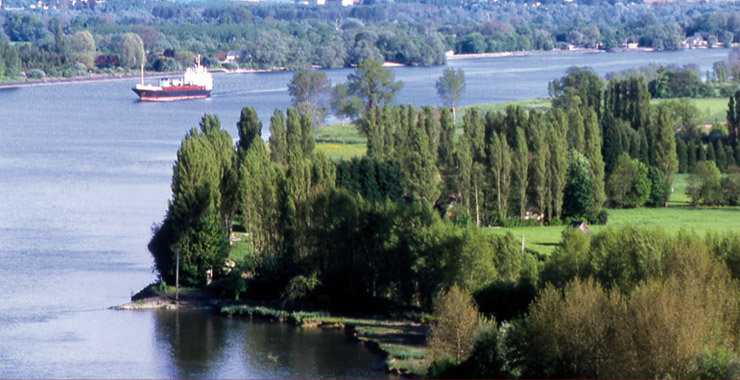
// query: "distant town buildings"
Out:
[344,3]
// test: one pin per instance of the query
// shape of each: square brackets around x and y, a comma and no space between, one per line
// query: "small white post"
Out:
[522,243]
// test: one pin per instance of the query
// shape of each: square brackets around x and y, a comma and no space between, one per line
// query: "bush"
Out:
[602,217]
[36,74]
[231,66]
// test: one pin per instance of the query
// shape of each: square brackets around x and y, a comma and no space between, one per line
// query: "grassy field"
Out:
[711,109]
[679,214]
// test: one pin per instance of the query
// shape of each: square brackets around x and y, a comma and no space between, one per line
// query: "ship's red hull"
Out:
[167,94]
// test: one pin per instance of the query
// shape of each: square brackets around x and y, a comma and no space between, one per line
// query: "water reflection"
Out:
[191,340]
[198,344]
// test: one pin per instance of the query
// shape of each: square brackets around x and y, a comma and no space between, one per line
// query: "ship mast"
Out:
[142,74]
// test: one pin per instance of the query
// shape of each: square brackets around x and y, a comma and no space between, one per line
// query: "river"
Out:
[85,171]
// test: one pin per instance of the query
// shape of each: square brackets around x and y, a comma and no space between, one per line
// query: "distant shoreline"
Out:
[452,57]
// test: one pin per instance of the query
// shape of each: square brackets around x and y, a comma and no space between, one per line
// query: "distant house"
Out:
[580,225]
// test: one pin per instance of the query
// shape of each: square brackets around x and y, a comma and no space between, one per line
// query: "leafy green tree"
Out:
[82,46]
[455,321]
[578,191]
[309,91]
[659,193]
[131,51]
[199,213]
[629,184]
[343,104]
[704,184]
[373,83]
[450,87]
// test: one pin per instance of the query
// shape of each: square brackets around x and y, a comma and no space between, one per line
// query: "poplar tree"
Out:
[711,153]
[278,144]
[720,156]
[592,151]
[249,127]
[474,128]
[446,150]
[308,142]
[665,147]
[258,192]
[520,167]
[558,166]
[690,156]
[420,172]
[576,130]
[612,146]
[682,155]
[540,157]
[500,164]
[464,161]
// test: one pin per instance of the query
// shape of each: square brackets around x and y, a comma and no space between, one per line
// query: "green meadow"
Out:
[678,215]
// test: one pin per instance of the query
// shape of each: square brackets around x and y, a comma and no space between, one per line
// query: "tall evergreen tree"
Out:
[278,143]
[665,147]
[710,153]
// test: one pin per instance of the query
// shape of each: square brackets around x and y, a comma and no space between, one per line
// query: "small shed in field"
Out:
[580,225]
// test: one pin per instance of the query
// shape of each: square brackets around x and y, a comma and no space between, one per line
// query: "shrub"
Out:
[36,74]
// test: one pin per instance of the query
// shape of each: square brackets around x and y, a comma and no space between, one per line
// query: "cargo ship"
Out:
[196,83]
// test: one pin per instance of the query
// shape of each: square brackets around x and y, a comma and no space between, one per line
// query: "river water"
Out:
[84,173]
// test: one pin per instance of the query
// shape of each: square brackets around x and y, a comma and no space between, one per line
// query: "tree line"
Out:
[270,36]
